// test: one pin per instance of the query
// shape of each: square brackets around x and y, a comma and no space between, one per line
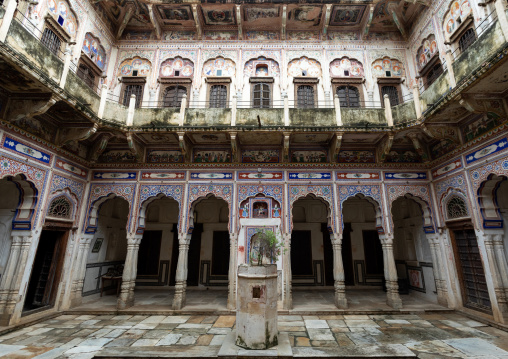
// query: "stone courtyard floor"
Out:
[443,335]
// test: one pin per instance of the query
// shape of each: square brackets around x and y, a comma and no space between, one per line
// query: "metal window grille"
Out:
[349,96]
[218,96]
[434,73]
[305,96]
[173,96]
[393,94]
[467,40]
[261,98]
[86,74]
[132,90]
[51,41]
[456,208]
[60,208]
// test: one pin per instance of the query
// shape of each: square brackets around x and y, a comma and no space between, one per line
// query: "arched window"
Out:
[261,95]
[305,96]
[60,208]
[456,208]
[218,96]
[467,39]
[434,73]
[52,41]
[173,96]
[393,94]
[132,90]
[260,210]
[349,96]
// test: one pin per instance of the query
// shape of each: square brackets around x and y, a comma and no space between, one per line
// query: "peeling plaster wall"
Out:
[9,194]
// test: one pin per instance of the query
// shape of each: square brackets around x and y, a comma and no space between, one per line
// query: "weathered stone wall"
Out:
[404,112]
[267,116]
[77,88]
[312,117]
[361,116]
[208,117]
[156,116]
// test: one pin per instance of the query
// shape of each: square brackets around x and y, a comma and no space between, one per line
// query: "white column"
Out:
[416,99]
[102,104]
[501,260]
[286,109]
[233,110]
[438,270]
[81,259]
[130,112]
[7,278]
[181,115]
[496,277]
[233,267]
[181,271]
[501,16]
[392,285]
[338,114]
[126,298]
[10,8]
[338,272]
[286,267]
[388,111]
[67,64]
[449,66]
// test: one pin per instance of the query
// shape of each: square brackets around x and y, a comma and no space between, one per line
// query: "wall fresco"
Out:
[426,51]
[163,156]
[348,15]
[261,67]
[184,67]
[93,49]
[304,67]
[219,67]
[142,66]
[208,156]
[62,8]
[346,67]
[381,66]
[260,156]
[481,125]
[357,156]
[309,156]
[458,12]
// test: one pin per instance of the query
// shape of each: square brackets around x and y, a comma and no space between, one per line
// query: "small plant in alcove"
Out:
[265,245]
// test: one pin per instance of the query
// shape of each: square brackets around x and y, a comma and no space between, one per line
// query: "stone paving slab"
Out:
[425,336]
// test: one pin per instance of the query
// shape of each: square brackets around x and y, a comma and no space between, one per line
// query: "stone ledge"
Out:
[230,350]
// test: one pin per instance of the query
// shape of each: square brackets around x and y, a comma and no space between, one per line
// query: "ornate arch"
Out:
[421,195]
[100,193]
[311,67]
[449,195]
[151,193]
[170,64]
[371,193]
[62,8]
[94,50]
[324,193]
[487,200]
[198,192]
[382,65]
[426,51]
[354,67]
[226,66]
[27,205]
[127,66]
[251,68]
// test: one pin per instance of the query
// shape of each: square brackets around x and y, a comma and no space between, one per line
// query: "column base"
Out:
[340,295]
[124,304]
[179,299]
[341,302]
[442,300]
[392,295]
[5,319]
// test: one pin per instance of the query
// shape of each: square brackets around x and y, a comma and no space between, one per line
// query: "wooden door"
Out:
[194,255]
[470,268]
[174,256]
[149,253]
[328,255]
[373,253]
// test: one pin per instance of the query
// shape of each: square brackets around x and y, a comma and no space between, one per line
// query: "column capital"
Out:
[336,238]
[386,239]
[183,238]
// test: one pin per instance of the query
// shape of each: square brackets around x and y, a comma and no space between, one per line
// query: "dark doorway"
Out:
[149,253]
[174,256]
[470,268]
[220,253]
[347,255]
[46,270]
[301,253]
[194,255]
[373,253]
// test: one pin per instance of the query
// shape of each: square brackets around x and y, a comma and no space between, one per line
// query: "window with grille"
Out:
[261,96]
[218,96]
[456,208]
[173,96]
[434,73]
[392,92]
[60,208]
[86,74]
[349,96]
[305,96]
[467,40]
[51,41]
[132,90]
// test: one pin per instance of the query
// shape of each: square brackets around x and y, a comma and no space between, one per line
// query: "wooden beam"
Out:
[327,20]
[131,9]
[239,19]
[284,20]
[369,21]
[155,23]
[197,21]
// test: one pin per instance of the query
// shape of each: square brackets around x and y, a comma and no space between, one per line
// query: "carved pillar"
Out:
[233,267]
[500,6]
[79,278]
[495,275]
[442,292]
[10,270]
[126,298]
[392,286]
[501,260]
[15,271]
[286,266]
[181,271]
[338,272]
[10,8]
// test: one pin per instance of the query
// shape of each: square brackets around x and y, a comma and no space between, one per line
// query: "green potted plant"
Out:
[265,247]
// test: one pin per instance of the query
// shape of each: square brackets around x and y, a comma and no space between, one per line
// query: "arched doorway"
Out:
[311,253]
[158,248]
[10,195]
[50,256]
[412,252]
[203,261]
[108,249]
